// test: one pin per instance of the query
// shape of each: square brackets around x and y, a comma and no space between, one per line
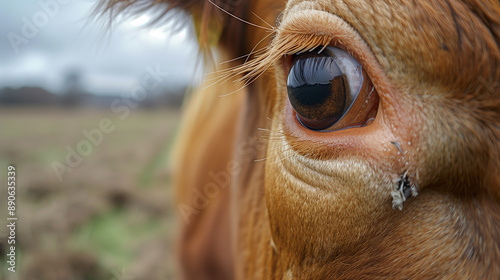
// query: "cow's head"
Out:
[384,105]
[383,128]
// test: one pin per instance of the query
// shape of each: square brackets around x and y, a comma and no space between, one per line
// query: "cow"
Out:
[340,139]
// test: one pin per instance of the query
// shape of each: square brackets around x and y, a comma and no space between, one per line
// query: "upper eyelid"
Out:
[291,37]
[302,38]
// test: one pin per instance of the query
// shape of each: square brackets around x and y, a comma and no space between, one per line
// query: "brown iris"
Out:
[317,90]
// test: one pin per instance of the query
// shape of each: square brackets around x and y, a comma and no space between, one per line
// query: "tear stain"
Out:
[396,143]
[404,188]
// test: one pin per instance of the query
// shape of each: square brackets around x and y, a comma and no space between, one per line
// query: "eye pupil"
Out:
[317,90]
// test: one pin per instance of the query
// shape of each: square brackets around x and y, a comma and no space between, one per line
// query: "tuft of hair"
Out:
[216,22]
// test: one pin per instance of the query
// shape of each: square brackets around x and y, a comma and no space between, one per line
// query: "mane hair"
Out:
[212,21]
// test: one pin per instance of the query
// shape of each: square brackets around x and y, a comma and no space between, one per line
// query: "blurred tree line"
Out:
[73,95]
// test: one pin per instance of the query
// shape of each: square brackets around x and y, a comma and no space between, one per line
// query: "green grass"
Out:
[113,237]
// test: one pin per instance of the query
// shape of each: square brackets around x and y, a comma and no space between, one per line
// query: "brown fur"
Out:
[318,205]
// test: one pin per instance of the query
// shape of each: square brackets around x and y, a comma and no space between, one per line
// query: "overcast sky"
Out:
[109,64]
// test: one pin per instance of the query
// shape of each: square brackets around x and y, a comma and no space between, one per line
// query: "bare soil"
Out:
[111,216]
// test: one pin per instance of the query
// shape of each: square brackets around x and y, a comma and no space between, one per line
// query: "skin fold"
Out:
[414,194]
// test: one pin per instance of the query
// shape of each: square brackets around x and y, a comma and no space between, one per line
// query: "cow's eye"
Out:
[322,87]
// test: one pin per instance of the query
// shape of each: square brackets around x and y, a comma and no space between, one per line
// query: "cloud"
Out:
[70,40]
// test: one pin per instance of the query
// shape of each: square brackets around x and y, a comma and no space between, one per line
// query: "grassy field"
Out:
[111,216]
